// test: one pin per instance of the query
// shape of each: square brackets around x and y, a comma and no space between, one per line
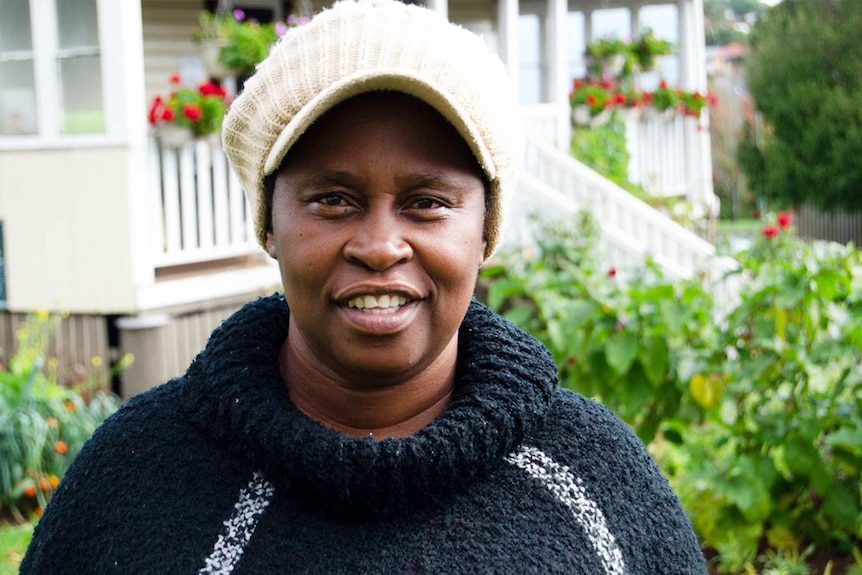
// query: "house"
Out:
[149,248]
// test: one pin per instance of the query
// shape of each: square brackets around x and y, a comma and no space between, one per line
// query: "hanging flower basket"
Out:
[210,52]
[174,136]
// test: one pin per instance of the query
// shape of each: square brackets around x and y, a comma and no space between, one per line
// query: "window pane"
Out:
[78,25]
[17,98]
[15,26]
[81,98]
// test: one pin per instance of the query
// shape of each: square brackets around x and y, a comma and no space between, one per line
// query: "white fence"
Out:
[200,210]
[662,148]
[631,229]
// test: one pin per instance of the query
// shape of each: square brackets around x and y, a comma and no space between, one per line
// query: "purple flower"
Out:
[239,14]
[280,28]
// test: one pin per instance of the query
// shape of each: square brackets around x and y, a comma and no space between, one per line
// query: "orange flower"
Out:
[53,423]
[61,447]
[44,484]
[55,481]
[70,405]
[30,491]
[39,511]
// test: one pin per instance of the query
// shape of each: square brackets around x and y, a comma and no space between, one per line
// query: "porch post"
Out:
[440,6]
[558,76]
[507,23]
[693,77]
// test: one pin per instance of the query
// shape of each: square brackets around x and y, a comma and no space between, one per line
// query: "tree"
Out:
[805,74]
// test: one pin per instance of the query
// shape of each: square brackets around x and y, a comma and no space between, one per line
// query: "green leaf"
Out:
[841,506]
[621,351]
[520,315]
[801,456]
[654,355]
[749,495]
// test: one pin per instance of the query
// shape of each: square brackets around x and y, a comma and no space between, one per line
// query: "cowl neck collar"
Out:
[504,384]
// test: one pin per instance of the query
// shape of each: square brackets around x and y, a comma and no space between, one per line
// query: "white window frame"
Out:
[43,21]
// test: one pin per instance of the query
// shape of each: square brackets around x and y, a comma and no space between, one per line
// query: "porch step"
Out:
[554,183]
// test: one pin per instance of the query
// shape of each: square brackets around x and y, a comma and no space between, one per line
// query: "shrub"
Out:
[43,425]
[754,415]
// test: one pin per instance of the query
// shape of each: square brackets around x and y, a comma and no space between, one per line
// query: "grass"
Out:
[13,543]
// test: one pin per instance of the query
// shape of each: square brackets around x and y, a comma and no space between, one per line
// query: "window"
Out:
[79,68]
[17,78]
[50,74]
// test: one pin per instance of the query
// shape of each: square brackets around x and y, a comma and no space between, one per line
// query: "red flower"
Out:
[612,272]
[713,100]
[770,232]
[212,89]
[620,99]
[591,101]
[663,84]
[176,79]
[193,112]
[579,84]
[785,220]
[168,115]
[647,97]
[156,110]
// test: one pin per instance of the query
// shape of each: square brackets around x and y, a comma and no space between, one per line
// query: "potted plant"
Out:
[646,47]
[233,45]
[607,58]
[211,36]
[591,102]
[188,113]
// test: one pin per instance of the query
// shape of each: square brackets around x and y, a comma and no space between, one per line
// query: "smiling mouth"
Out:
[377,304]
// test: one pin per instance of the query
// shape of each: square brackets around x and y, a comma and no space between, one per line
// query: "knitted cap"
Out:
[370,45]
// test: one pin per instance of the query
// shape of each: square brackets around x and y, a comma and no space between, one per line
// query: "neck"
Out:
[363,407]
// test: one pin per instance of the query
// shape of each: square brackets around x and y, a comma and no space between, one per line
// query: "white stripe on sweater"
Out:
[247,511]
[571,492]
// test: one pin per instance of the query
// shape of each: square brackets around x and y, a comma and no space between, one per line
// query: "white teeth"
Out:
[386,303]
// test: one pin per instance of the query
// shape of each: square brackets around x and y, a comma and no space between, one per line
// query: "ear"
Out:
[270,246]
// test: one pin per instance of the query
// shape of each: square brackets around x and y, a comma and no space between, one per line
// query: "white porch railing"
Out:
[200,210]
[630,228]
[662,149]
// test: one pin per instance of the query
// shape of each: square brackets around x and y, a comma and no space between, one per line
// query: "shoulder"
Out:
[597,458]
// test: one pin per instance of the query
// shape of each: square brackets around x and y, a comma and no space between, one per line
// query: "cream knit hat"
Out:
[369,45]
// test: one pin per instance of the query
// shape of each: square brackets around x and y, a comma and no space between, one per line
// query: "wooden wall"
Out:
[838,227]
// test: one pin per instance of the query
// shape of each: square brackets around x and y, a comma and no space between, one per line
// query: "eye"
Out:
[331,200]
[426,204]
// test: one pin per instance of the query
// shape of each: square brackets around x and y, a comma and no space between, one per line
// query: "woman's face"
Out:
[377,225]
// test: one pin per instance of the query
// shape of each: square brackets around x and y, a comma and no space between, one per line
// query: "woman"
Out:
[374,419]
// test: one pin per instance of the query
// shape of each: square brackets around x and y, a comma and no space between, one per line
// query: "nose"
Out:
[378,241]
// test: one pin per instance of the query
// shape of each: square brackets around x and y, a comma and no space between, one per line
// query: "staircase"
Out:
[555,184]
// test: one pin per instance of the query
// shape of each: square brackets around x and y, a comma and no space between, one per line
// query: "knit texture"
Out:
[218,472]
[370,45]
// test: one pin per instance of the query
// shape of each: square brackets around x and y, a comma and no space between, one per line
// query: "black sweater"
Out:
[218,472]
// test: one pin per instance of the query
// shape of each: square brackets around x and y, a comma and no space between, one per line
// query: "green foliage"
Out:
[755,415]
[603,148]
[43,425]
[248,44]
[805,73]
[14,540]
[630,344]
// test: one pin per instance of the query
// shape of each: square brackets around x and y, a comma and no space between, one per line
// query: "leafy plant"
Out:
[647,46]
[43,425]
[754,414]
[630,344]
[245,42]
